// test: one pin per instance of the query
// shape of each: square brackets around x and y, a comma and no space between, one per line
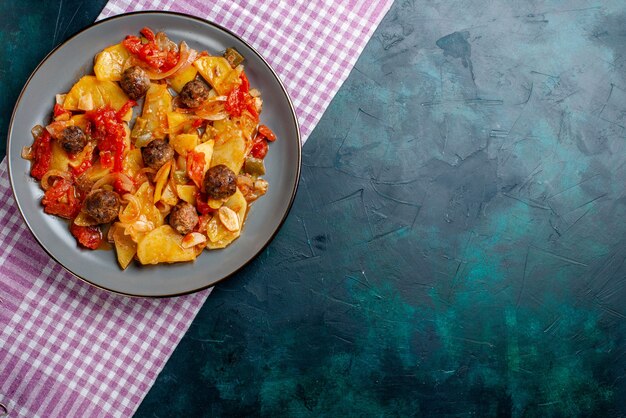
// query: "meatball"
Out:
[102,205]
[157,153]
[220,182]
[194,93]
[184,218]
[72,139]
[135,82]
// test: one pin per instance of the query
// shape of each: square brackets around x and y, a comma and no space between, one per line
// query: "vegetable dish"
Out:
[175,179]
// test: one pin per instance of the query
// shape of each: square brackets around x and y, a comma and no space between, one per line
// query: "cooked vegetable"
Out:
[152,124]
[216,71]
[233,57]
[183,77]
[254,166]
[163,245]
[90,93]
[184,143]
[109,64]
[125,247]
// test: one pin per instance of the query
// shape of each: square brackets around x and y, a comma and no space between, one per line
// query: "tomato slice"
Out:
[195,167]
[245,84]
[202,204]
[259,150]
[87,236]
[147,33]
[61,200]
[42,155]
[149,52]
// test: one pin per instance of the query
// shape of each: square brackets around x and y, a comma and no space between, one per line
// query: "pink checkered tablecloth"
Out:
[68,349]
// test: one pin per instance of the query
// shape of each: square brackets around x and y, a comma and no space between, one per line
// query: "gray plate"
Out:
[56,74]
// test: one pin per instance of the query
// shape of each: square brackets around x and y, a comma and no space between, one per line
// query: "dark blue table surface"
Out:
[456,247]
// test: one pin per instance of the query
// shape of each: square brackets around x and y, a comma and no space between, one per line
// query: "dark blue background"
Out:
[456,246]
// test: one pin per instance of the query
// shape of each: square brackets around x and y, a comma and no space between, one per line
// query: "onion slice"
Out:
[126,183]
[27,153]
[45,180]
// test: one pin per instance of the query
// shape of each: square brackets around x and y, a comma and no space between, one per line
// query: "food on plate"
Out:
[176,178]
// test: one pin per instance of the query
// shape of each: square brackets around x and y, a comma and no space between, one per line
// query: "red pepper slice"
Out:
[202,204]
[87,236]
[197,123]
[195,167]
[61,200]
[259,150]
[147,33]
[124,109]
[150,53]
[235,102]
[42,155]
[245,84]
[60,111]
[267,133]
[240,99]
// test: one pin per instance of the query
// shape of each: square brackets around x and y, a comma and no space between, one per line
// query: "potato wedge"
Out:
[109,63]
[125,247]
[183,143]
[90,93]
[153,120]
[230,146]
[187,193]
[168,196]
[163,245]
[216,71]
[183,78]
[207,149]
[60,159]
[133,162]
[178,123]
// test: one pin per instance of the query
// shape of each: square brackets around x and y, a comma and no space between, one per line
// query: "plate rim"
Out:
[206,22]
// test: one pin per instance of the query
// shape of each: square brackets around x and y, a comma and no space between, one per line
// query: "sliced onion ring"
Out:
[126,183]
[130,216]
[45,180]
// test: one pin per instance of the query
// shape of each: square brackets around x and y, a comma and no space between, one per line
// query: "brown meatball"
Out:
[102,205]
[157,153]
[135,82]
[194,93]
[72,139]
[220,182]
[184,218]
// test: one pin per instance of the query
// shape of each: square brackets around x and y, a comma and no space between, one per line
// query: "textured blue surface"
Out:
[457,244]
